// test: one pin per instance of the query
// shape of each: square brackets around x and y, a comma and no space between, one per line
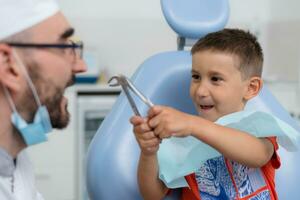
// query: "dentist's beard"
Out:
[57,107]
[51,95]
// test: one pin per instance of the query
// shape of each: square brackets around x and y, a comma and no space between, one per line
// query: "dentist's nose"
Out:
[79,66]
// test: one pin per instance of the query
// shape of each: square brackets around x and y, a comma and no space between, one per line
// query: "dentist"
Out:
[38,61]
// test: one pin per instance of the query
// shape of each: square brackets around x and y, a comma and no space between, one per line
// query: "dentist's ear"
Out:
[253,88]
[10,74]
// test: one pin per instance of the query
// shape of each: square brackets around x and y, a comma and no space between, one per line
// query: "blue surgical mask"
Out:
[35,132]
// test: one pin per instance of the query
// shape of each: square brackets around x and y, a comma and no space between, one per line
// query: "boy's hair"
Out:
[239,43]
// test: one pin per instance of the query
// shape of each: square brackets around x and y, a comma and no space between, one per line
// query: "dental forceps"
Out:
[127,85]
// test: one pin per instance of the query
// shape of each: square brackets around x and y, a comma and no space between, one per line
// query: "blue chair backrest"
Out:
[288,176]
[113,153]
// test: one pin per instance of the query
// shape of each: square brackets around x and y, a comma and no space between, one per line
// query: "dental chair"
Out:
[164,78]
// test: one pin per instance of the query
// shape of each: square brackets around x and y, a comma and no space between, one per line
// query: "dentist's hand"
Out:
[167,122]
[144,135]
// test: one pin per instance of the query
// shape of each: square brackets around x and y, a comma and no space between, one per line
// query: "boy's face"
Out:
[217,87]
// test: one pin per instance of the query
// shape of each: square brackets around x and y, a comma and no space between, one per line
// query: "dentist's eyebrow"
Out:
[67,33]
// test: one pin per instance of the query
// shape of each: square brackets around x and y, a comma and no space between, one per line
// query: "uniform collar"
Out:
[7,165]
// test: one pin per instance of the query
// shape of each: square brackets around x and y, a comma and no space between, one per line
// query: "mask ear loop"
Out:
[10,101]
[34,92]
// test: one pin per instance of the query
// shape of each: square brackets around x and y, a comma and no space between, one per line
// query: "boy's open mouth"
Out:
[206,107]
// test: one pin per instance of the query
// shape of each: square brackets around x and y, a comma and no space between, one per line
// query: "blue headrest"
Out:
[195,18]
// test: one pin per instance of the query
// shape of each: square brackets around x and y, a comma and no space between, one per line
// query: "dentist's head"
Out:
[38,61]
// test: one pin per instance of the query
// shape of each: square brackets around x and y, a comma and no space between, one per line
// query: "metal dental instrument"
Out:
[126,86]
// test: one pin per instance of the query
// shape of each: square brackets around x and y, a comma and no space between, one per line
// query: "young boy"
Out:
[226,73]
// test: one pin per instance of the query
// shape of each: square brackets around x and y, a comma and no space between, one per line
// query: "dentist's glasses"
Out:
[74,48]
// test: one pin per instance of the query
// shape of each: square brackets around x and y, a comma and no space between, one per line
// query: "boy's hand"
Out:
[147,140]
[167,122]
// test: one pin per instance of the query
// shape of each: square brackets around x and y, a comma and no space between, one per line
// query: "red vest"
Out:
[266,173]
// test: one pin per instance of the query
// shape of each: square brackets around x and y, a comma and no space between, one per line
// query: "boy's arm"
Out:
[233,144]
[151,187]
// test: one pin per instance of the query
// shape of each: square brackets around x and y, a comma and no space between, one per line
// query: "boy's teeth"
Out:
[206,107]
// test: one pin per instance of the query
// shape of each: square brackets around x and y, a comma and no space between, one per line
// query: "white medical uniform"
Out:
[17,178]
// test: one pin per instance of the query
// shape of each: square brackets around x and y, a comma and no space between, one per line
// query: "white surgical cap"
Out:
[18,15]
